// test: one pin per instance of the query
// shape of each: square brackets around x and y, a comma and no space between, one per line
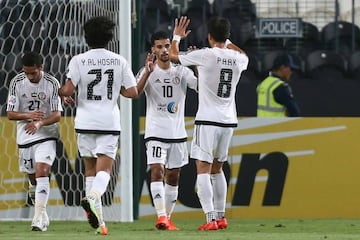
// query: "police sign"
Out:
[278,27]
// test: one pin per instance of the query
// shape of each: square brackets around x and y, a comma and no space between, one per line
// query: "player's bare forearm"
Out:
[174,51]
[53,118]
[131,92]
[67,90]
[141,84]
[235,47]
[33,126]
[36,115]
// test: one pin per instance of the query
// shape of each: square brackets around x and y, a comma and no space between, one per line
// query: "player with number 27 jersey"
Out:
[217,98]
[25,96]
[102,75]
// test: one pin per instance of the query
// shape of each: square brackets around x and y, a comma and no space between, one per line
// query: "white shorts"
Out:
[90,145]
[44,152]
[211,142]
[171,155]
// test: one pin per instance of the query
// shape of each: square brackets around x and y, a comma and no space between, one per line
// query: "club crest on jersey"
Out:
[176,80]
[172,107]
[41,95]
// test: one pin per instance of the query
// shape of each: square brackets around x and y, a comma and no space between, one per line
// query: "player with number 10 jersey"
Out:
[165,103]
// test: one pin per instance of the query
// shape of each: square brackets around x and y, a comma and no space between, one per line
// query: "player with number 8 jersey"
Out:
[219,68]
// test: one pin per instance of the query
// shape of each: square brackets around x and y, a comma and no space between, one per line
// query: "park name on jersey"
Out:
[226,61]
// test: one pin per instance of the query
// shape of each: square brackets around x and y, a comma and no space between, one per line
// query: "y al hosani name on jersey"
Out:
[101,61]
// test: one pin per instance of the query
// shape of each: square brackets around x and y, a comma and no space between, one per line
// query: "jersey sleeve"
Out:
[73,71]
[244,61]
[191,80]
[196,57]
[13,98]
[128,78]
[55,101]
[139,76]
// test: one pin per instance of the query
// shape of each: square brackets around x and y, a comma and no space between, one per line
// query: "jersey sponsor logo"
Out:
[12,100]
[172,107]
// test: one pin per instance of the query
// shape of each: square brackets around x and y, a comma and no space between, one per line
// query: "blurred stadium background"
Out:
[322,35]
[326,47]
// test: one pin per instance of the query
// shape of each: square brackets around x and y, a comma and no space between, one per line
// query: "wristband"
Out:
[227,42]
[176,38]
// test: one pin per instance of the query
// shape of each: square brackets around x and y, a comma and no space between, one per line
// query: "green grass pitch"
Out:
[261,229]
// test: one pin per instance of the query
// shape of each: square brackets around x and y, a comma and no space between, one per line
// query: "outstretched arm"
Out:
[180,32]
[131,92]
[232,46]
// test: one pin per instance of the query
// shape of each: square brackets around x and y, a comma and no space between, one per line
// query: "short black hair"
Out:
[158,36]
[219,28]
[99,31]
[31,59]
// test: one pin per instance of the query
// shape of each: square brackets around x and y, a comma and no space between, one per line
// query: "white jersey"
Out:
[219,73]
[165,92]
[25,96]
[99,75]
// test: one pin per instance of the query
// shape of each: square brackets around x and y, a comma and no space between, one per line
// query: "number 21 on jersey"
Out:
[99,76]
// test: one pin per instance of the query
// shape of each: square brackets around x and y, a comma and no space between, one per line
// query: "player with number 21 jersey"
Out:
[102,75]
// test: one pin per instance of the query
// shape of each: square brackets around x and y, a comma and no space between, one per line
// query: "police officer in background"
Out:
[275,98]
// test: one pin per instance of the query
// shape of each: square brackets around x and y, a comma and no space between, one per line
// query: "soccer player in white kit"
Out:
[34,103]
[219,70]
[165,88]
[100,77]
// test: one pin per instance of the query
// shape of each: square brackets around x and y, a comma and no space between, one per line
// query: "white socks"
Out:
[205,194]
[171,195]
[95,188]
[42,190]
[100,182]
[88,184]
[42,193]
[219,189]
[158,195]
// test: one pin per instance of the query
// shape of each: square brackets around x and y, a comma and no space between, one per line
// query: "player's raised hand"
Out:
[180,27]
[150,62]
